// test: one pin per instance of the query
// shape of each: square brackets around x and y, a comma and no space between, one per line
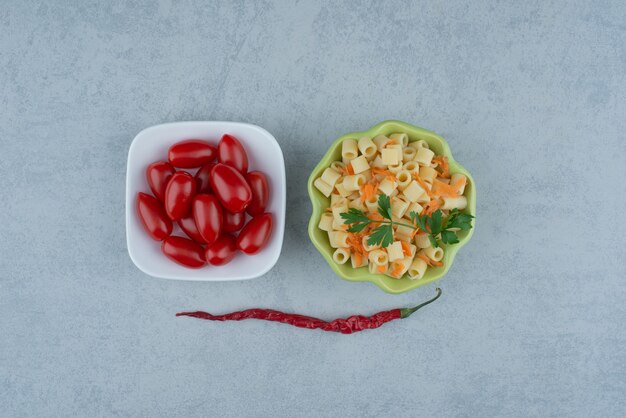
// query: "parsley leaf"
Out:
[419,220]
[463,221]
[382,235]
[435,226]
[434,222]
[384,206]
[356,219]
[449,237]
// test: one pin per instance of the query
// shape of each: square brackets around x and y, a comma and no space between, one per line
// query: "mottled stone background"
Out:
[530,96]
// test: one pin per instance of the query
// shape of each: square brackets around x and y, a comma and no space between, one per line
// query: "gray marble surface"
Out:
[530,96]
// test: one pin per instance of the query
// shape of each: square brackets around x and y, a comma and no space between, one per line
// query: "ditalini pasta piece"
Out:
[349,149]
[428,174]
[424,156]
[337,211]
[411,166]
[380,141]
[408,154]
[378,257]
[326,222]
[338,239]
[390,156]
[337,225]
[360,164]
[435,254]
[419,144]
[399,267]
[338,166]
[424,198]
[403,233]
[401,139]
[353,183]
[459,181]
[330,177]
[325,188]
[394,251]
[342,190]
[387,186]
[398,207]
[417,269]
[358,261]
[341,255]
[414,207]
[336,199]
[450,203]
[367,147]
[357,204]
[376,269]
[413,191]
[395,168]
[404,178]
[378,162]
[422,241]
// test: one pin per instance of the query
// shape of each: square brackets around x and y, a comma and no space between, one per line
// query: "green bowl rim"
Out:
[379,279]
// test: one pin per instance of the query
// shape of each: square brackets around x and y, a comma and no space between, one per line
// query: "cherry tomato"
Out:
[153,217]
[158,174]
[260,192]
[207,213]
[183,251]
[222,251]
[230,187]
[202,178]
[255,234]
[232,153]
[179,195]
[191,153]
[233,221]
[188,225]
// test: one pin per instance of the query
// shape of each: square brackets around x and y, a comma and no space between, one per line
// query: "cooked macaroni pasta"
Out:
[416,180]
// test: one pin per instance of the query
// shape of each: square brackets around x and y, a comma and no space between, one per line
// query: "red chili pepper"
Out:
[349,325]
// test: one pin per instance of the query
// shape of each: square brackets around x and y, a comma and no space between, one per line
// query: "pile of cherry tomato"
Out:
[209,206]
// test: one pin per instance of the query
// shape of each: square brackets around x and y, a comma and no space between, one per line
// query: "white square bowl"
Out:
[151,145]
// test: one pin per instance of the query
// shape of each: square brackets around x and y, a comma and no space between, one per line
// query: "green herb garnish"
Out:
[434,225]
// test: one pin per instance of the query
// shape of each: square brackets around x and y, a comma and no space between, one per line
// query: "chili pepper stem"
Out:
[406,312]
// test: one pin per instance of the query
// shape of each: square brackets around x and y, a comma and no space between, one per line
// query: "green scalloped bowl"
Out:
[319,202]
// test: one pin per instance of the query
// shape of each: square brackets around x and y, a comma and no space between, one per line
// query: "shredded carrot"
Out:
[428,261]
[424,257]
[369,189]
[349,169]
[442,162]
[375,216]
[390,142]
[358,258]
[424,185]
[406,250]
[397,269]
[430,207]
[377,170]
[460,182]
[344,227]
[355,241]
[444,190]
